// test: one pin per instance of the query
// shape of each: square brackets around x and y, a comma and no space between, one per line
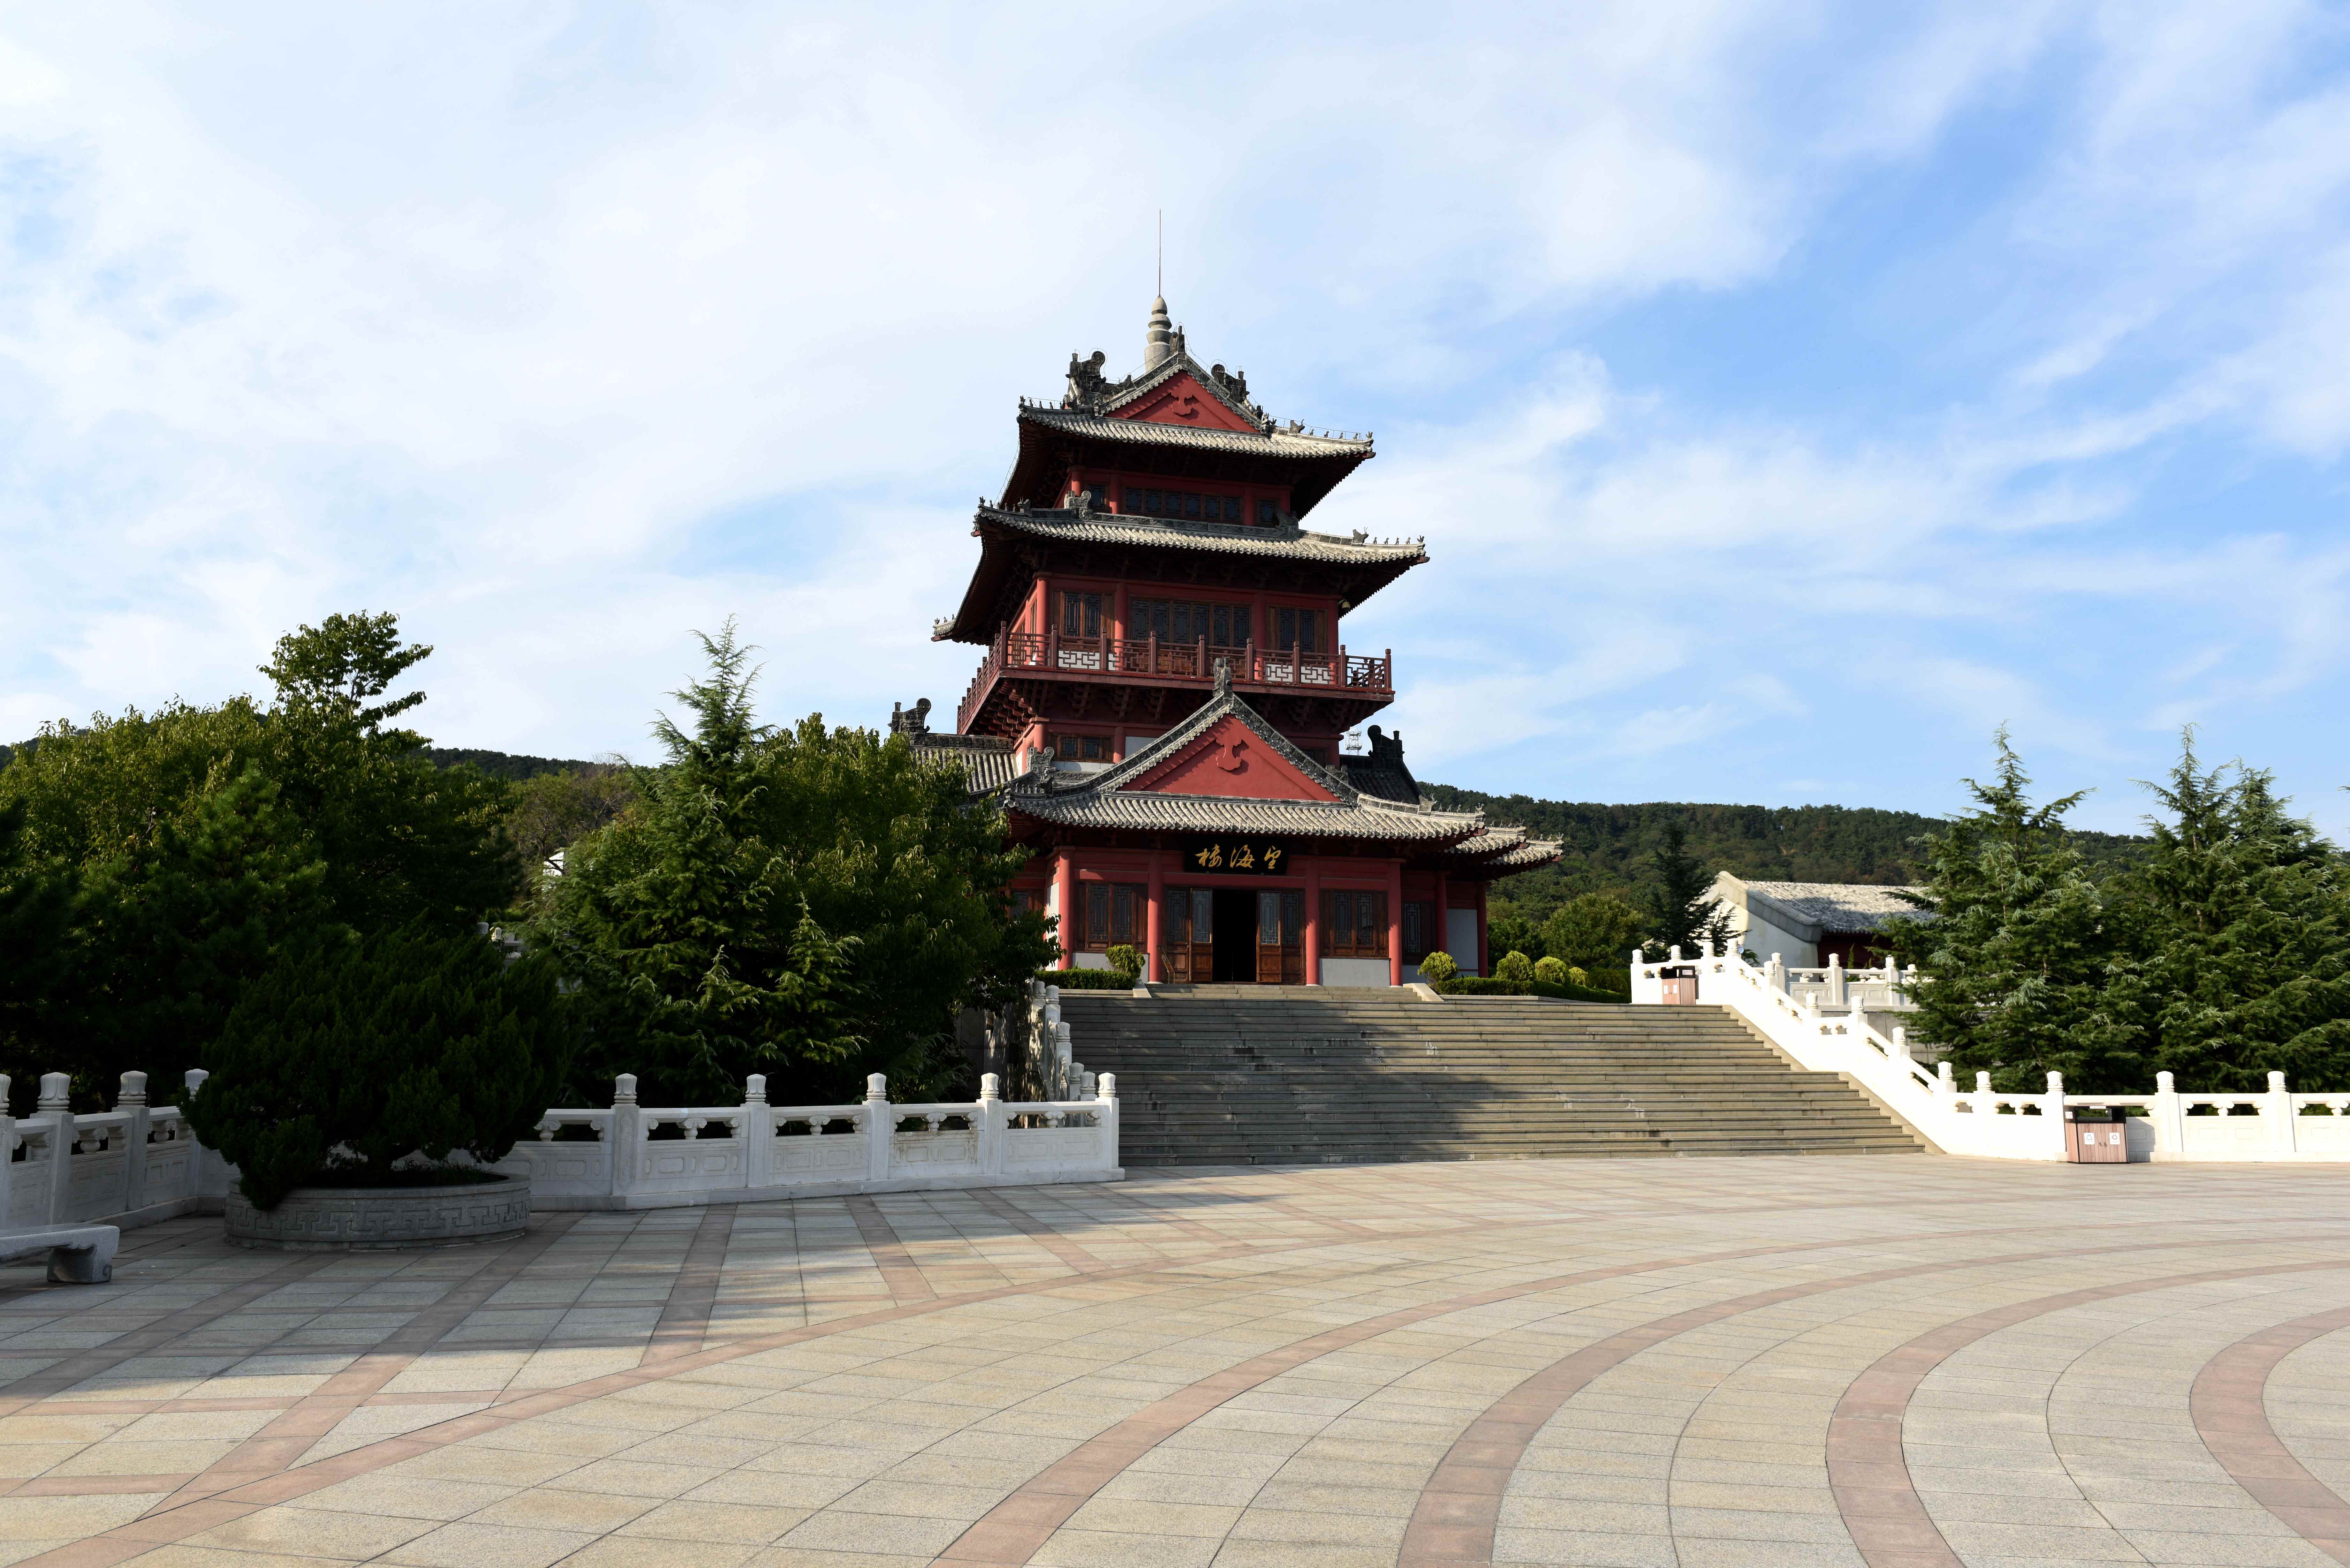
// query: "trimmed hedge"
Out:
[1473,985]
[1087,979]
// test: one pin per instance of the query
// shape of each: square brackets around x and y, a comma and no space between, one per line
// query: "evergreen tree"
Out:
[1682,910]
[809,904]
[402,839]
[353,1052]
[176,923]
[37,905]
[2239,925]
[2015,957]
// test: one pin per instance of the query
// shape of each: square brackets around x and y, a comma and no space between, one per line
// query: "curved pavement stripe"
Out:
[1454,1519]
[2229,1404]
[1868,1471]
[1015,1529]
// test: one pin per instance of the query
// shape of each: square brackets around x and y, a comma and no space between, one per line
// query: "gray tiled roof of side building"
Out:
[1840,906]
[988,762]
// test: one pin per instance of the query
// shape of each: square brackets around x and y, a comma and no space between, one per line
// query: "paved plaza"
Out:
[1905,1360]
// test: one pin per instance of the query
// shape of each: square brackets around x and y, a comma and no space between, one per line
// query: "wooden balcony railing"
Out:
[1149,660]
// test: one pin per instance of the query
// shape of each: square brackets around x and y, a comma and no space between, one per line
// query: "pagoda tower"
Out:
[1166,682]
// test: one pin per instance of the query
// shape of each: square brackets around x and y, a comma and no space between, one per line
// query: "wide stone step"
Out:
[1249,1076]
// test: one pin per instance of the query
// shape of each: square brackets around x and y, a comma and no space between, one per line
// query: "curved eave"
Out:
[1370,566]
[1309,466]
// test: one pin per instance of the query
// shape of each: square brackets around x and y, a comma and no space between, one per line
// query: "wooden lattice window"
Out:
[1354,925]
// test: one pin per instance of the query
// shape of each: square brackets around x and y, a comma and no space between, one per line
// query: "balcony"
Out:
[1147,661]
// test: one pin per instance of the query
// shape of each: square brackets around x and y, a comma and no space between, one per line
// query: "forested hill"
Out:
[502,764]
[1607,846]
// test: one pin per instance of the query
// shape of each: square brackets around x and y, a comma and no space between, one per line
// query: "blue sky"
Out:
[1790,394]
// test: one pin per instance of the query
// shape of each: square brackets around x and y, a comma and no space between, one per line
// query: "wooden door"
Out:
[1187,925]
[1280,938]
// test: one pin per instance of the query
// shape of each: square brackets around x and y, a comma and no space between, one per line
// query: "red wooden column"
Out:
[1485,942]
[1065,892]
[1312,921]
[1395,922]
[1440,938]
[1155,966]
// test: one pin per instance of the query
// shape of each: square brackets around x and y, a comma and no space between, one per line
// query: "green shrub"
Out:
[1550,972]
[1515,967]
[1126,961]
[348,1054]
[1576,976]
[1086,979]
[1473,985]
[1436,968]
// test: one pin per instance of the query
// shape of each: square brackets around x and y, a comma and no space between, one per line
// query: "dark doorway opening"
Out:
[1235,935]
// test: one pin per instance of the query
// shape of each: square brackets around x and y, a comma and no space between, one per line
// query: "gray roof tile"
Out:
[1230,538]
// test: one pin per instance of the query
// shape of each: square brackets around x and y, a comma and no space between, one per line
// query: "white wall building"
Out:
[1805,922]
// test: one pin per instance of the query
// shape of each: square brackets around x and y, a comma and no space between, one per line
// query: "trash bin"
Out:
[2096,1135]
[1680,985]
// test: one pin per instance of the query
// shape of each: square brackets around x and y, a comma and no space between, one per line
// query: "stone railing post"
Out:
[1901,1049]
[880,1127]
[627,1135]
[57,1106]
[207,1167]
[2277,1106]
[1981,1098]
[7,1148]
[758,1134]
[133,1102]
[1946,1083]
[1776,974]
[2052,1111]
[1063,1065]
[1674,953]
[1106,1118]
[1836,979]
[2169,1117]
[989,1125]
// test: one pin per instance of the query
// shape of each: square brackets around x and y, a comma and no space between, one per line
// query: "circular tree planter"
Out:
[367,1218]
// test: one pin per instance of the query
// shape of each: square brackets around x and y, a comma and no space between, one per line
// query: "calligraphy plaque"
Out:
[1238,857]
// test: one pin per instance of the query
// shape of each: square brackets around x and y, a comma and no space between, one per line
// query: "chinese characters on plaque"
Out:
[1241,856]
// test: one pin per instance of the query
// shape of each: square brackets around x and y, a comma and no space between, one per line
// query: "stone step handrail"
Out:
[2271,1126]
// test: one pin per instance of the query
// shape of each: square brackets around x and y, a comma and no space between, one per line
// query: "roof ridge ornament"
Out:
[1223,675]
[1159,338]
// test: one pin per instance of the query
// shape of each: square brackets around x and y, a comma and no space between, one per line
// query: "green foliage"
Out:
[555,809]
[1086,979]
[1550,972]
[1593,931]
[1438,967]
[1607,848]
[180,919]
[1578,977]
[198,838]
[1515,967]
[402,839]
[37,905]
[1496,985]
[811,904]
[350,1053]
[1682,911]
[2017,956]
[2237,928]
[1125,960]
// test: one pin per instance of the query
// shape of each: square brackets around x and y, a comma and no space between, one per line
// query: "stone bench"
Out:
[78,1254]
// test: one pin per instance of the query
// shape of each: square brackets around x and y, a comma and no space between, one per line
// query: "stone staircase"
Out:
[1248,1074]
